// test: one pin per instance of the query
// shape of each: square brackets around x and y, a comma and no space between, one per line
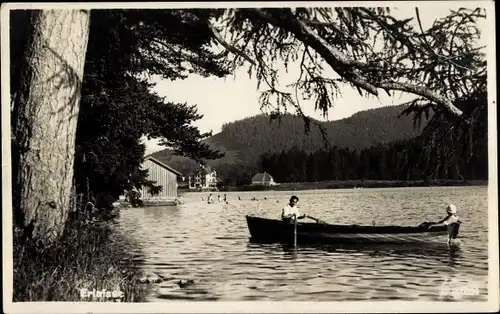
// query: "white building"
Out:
[205,178]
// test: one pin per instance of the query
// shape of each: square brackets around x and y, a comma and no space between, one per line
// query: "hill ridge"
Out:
[245,140]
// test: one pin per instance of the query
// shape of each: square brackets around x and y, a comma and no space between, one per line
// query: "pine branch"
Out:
[228,46]
[350,69]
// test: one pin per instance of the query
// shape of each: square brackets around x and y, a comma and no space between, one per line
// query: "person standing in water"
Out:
[209,199]
[451,218]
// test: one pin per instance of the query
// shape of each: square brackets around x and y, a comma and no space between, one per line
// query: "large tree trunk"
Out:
[44,120]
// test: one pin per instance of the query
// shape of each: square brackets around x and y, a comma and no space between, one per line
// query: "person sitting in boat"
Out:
[291,210]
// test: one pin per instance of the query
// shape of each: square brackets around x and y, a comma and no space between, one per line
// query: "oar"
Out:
[317,220]
[295,231]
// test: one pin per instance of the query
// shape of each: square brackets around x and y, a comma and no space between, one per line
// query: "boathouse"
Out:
[165,176]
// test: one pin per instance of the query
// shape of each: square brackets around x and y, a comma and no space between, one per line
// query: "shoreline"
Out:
[352,184]
[87,263]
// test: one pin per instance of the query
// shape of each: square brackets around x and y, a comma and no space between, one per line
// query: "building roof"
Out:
[161,164]
[265,177]
[203,170]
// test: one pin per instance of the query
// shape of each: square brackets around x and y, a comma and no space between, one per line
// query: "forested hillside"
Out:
[257,135]
[395,161]
[245,141]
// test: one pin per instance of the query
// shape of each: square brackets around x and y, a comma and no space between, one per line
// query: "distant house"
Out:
[164,175]
[204,178]
[263,178]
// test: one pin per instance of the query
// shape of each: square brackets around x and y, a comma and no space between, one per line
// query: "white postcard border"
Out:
[253,306]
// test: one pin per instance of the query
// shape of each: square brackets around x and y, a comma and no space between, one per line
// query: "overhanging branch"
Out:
[335,58]
[348,68]
[228,46]
[424,92]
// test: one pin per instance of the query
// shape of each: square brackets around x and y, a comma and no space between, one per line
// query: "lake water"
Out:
[210,244]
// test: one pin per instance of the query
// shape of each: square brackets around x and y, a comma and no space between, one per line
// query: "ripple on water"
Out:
[192,241]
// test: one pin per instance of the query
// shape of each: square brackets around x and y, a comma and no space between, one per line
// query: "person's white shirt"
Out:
[450,219]
[290,210]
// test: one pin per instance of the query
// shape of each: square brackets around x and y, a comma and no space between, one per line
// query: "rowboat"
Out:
[266,230]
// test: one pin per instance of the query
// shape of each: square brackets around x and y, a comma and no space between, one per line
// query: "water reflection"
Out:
[433,251]
[160,213]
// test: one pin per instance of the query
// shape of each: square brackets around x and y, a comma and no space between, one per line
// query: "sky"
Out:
[223,100]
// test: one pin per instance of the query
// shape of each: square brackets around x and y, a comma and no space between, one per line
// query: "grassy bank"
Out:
[91,255]
[349,184]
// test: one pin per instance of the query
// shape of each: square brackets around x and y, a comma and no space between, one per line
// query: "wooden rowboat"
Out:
[266,230]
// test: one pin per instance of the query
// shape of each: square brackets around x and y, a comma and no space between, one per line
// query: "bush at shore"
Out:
[90,255]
